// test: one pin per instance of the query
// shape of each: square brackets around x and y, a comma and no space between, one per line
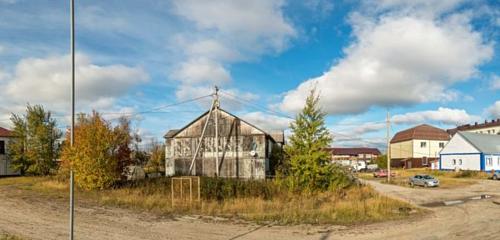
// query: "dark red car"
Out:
[382,173]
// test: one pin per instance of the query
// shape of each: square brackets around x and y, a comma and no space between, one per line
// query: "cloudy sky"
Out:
[426,61]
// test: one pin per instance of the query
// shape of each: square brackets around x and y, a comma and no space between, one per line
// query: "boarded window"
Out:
[2,147]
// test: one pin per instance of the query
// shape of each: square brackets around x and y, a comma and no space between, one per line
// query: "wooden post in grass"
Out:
[172,190]
[388,152]
[190,190]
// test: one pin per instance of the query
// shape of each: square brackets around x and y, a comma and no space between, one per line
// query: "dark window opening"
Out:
[2,147]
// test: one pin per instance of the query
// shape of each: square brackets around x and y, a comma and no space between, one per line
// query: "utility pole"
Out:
[216,103]
[388,152]
[72,134]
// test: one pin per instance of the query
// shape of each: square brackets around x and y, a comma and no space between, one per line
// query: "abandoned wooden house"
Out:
[231,147]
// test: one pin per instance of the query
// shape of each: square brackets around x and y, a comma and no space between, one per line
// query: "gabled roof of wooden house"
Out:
[274,136]
[421,132]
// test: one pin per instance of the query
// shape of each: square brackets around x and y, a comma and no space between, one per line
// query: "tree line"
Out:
[102,150]
[100,156]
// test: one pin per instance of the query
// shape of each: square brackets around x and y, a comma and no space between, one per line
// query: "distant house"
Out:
[492,127]
[355,157]
[354,154]
[245,151]
[5,163]
[471,151]
[418,146]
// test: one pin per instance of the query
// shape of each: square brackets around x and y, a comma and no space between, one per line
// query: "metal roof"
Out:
[485,143]
[475,126]
[421,132]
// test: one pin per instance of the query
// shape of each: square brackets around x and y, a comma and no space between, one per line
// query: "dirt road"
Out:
[42,219]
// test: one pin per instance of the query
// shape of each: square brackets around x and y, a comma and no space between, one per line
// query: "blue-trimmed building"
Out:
[471,151]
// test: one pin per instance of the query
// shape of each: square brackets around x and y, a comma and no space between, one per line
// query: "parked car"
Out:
[382,173]
[371,167]
[424,181]
[496,176]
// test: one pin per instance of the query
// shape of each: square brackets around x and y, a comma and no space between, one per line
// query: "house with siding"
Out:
[230,147]
[471,151]
[5,162]
[418,146]
[488,127]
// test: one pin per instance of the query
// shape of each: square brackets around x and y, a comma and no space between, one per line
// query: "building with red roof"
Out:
[5,137]
[357,157]
[417,146]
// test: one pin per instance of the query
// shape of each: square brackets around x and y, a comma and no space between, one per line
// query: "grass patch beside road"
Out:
[260,201]
[447,179]
[6,236]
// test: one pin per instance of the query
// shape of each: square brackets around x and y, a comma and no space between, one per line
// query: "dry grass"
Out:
[6,236]
[447,179]
[356,205]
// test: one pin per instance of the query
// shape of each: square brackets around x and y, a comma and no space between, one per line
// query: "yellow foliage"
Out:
[93,157]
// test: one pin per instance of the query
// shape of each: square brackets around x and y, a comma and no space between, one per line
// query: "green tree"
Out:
[95,156]
[308,164]
[124,140]
[34,148]
[381,161]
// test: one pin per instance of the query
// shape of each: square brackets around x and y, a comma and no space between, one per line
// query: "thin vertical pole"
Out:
[216,130]
[388,152]
[72,135]
[190,190]
[172,189]
[182,189]
[199,193]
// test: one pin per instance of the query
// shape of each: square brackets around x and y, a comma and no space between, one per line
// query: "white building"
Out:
[492,127]
[471,151]
[5,136]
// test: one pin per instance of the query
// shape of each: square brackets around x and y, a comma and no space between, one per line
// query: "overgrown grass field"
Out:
[6,236]
[447,179]
[259,201]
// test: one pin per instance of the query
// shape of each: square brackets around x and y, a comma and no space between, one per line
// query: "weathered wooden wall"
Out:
[236,140]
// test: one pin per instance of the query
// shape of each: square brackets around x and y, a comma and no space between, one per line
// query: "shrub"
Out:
[96,155]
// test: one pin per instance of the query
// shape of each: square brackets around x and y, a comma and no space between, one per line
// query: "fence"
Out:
[185,189]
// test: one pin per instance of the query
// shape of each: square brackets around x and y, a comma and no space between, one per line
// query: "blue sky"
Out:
[430,62]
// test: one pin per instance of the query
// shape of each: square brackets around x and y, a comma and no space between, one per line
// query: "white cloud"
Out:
[47,81]
[494,110]
[222,32]
[442,115]
[425,8]
[202,70]
[495,82]
[395,61]
[267,122]
[259,23]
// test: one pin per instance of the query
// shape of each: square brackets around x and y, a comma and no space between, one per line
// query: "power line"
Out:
[248,103]
[153,110]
